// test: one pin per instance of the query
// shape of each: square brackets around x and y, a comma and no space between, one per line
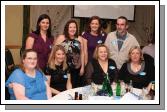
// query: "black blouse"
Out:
[139,79]
[94,72]
[58,77]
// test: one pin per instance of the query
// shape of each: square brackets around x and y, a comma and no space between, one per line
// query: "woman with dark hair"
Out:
[100,66]
[41,40]
[28,82]
[73,45]
[92,36]
[138,70]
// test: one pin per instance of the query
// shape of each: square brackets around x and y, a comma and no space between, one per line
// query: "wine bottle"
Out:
[118,89]
[106,85]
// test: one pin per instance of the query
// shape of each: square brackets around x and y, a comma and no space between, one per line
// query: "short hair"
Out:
[139,49]
[66,28]
[24,55]
[123,17]
[51,59]
[89,22]
[95,55]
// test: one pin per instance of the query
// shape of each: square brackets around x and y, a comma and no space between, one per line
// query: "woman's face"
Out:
[72,29]
[94,25]
[30,61]
[44,24]
[59,56]
[135,55]
[102,53]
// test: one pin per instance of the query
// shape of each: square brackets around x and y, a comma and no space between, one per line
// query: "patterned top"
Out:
[73,51]
[35,88]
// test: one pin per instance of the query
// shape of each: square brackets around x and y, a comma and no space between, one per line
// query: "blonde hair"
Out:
[95,54]
[51,60]
[133,48]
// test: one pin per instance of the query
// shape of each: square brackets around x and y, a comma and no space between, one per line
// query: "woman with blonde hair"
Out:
[137,69]
[100,66]
[57,71]
[73,44]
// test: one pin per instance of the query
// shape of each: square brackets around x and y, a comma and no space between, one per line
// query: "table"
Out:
[89,94]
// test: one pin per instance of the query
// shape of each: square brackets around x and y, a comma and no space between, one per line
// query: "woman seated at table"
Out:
[28,82]
[137,69]
[57,71]
[100,66]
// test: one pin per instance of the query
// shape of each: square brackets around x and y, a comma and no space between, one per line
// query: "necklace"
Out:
[135,67]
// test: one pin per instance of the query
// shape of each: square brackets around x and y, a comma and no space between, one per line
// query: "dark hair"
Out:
[123,17]
[66,28]
[89,22]
[40,18]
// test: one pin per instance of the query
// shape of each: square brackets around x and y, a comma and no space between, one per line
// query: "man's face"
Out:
[121,26]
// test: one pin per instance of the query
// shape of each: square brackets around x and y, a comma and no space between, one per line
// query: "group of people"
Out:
[50,66]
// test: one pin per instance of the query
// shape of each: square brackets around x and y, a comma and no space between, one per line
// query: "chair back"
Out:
[9,60]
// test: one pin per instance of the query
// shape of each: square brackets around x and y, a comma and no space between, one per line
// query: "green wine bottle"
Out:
[118,89]
[106,85]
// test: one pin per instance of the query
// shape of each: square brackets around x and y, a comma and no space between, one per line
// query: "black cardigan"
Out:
[140,79]
[94,72]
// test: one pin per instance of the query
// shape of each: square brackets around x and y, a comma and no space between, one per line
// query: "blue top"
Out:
[35,88]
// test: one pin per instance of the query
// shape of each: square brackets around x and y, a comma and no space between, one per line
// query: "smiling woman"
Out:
[28,82]
[100,65]
[41,40]
[137,69]
[57,71]
[74,48]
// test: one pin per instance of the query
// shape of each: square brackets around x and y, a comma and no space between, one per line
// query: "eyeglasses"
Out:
[29,58]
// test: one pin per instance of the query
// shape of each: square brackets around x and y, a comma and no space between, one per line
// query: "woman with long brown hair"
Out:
[73,45]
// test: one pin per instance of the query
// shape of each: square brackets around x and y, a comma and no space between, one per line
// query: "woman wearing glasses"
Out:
[28,82]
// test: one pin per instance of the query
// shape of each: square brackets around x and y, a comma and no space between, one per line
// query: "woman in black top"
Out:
[136,69]
[57,72]
[100,66]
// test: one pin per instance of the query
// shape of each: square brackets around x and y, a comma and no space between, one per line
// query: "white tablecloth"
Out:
[87,94]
